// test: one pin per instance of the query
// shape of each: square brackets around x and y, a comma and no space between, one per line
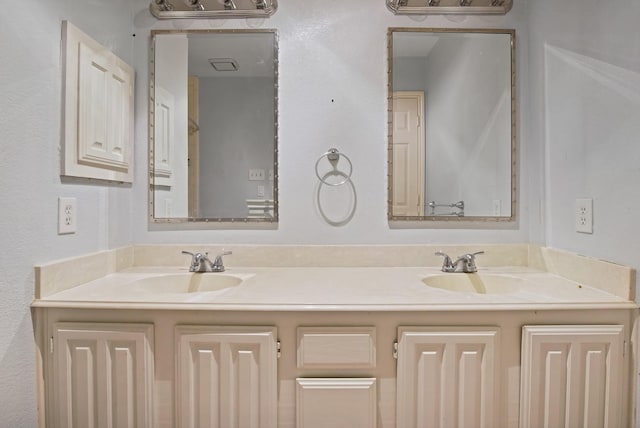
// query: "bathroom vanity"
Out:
[336,336]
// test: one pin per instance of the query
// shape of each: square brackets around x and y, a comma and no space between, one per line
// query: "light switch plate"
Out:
[67,216]
[584,215]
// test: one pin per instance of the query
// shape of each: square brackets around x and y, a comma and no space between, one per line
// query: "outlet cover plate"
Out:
[584,215]
[67,216]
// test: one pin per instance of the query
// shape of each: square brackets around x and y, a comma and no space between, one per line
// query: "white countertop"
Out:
[334,289]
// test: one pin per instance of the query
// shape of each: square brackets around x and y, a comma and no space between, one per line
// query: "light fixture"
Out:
[164,5]
[196,5]
[449,7]
[211,9]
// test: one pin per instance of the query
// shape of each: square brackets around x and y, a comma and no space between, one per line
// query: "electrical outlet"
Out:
[256,174]
[67,216]
[584,215]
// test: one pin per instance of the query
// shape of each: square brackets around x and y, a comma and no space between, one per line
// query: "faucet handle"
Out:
[196,261]
[217,265]
[447,265]
[469,264]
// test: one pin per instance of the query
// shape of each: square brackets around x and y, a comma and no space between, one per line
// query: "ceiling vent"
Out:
[224,64]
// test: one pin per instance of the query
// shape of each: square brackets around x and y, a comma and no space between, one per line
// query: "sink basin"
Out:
[475,283]
[187,283]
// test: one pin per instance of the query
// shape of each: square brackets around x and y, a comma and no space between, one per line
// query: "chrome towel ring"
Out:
[333,155]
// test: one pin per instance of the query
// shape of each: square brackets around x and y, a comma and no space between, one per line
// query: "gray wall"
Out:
[236,134]
[467,120]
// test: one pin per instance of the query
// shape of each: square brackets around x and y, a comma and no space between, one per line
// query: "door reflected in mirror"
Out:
[213,126]
[452,145]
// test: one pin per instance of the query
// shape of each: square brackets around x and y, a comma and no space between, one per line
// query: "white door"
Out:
[408,153]
[164,136]
[447,377]
[194,147]
[103,375]
[572,376]
[227,377]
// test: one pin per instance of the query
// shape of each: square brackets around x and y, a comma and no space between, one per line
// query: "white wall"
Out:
[585,61]
[585,57]
[333,91]
[30,112]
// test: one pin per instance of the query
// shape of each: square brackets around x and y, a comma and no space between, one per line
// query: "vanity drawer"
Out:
[336,347]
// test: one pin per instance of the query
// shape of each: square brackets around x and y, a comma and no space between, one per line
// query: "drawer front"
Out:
[331,402]
[336,347]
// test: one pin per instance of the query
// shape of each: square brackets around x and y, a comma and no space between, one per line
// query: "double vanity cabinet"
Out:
[167,368]
[218,360]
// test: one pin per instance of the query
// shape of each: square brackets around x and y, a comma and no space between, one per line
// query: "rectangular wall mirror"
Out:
[452,125]
[213,126]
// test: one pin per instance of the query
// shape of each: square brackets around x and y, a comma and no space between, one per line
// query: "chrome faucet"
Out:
[468,262]
[200,262]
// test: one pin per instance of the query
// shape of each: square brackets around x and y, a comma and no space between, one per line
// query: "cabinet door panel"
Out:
[103,103]
[226,376]
[103,375]
[571,376]
[78,387]
[447,377]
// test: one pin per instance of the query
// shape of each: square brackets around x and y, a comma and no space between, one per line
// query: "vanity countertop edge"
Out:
[336,278]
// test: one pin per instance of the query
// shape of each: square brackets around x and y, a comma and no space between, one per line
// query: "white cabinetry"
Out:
[209,368]
[226,376]
[572,376]
[103,375]
[98,110]
[447,377]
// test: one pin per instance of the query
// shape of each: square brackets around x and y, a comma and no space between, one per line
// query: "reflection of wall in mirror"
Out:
[236,135]
[468,120]
[171,75]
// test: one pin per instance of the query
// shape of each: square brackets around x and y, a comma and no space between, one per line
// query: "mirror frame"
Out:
[216,220]
[514,136]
